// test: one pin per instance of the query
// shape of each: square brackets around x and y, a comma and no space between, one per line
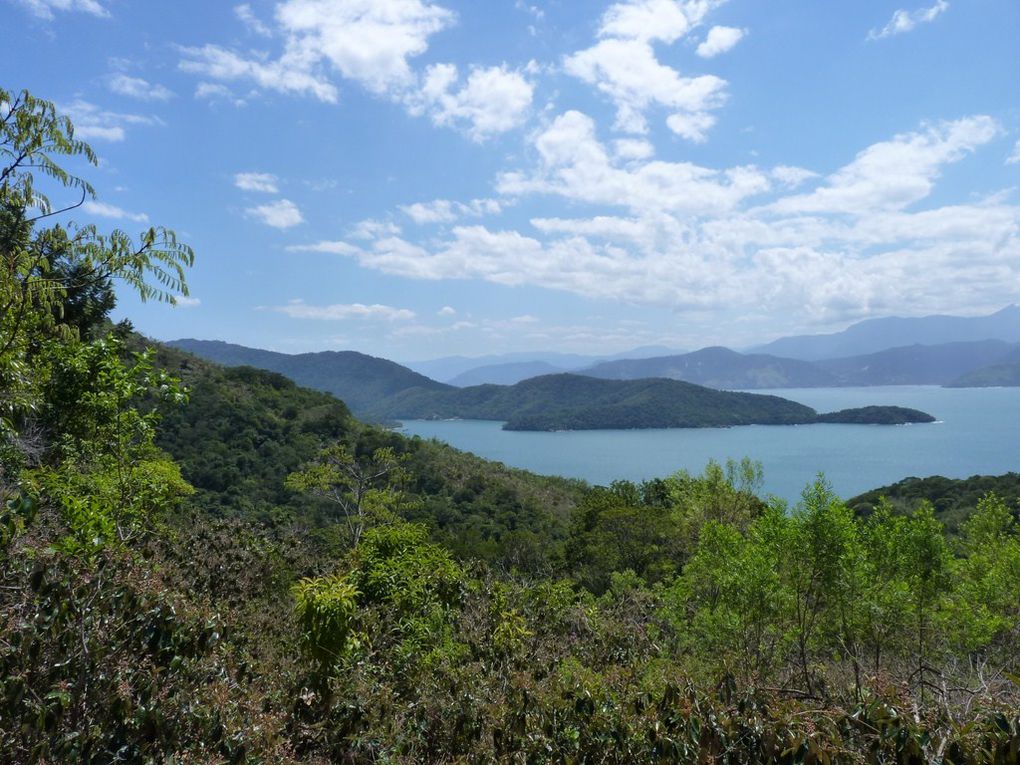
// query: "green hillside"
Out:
[953,499]
[361,381]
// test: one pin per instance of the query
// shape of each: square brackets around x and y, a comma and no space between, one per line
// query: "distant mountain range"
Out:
[875,335]
[720,368]
[510,368]
[729,370]
[932,350]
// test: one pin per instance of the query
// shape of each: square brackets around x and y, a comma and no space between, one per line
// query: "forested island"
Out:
[210,565]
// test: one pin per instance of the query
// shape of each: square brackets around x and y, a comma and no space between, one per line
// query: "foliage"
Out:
[55,281]
[954,500]
[681,619]
[365,490]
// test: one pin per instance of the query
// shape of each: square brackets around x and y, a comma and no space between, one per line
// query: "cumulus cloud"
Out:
[905,21]
[94,123]
[575,165]
[281,213]
[446,211]
[44,9]
[367,41]
[446,311]
[492,100]
[136,87]
[264,182]
[186,301]
[894,174]
[298,309]
[624,67]
[739,239]
[104,210]
[720,40]
[372,43]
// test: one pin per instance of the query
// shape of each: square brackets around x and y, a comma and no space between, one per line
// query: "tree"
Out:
[55,282]
[366,490]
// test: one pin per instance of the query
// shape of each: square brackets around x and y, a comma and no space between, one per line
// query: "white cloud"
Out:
[332,248]
[372,229]
[44,8]
[281,213]
[247,17]
[213,90]
[720,40]
[367,41]
[904,21]
[693,127]
[289,74]
[1014,158]
[623,66]
[792,176]
[298,309]
[894,174]
[445,211]
[446,311]
[576,166]
[92,123]
[136,87]
[665,20]
[492,100]
[185,301]
[104,210]
[699,239]
[264,182]
[633,148]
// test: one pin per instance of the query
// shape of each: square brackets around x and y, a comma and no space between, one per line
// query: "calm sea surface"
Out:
[978,432]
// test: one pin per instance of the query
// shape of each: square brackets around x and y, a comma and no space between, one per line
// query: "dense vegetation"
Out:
[279,583]
[876,415]
[360,381]
[953,499]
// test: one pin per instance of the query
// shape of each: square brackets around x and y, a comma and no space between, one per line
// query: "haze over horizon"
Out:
[415,179]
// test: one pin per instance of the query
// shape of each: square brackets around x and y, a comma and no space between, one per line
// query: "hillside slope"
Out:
[356,378]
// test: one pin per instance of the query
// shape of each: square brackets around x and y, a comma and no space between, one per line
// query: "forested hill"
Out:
[578,402]
[244,430]
[360,380]
[953,499]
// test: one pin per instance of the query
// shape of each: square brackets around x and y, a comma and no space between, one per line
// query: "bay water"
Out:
[977,432]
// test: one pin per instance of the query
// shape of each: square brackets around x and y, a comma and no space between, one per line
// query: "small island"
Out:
[876,415]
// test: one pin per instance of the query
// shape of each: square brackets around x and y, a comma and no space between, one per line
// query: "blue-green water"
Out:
[978,432]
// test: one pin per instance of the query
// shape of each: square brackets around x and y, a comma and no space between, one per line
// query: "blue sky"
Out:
[418,178]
